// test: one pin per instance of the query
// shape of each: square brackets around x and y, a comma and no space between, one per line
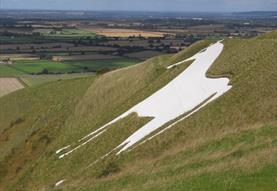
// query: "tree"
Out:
[45,71]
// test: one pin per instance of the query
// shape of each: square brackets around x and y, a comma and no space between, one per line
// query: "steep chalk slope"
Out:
[230,144]
[188,91]
[9,85]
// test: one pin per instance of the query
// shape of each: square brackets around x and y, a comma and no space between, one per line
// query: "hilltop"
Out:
[230,144]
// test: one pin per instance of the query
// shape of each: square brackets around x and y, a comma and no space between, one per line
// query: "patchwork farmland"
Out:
[125,32]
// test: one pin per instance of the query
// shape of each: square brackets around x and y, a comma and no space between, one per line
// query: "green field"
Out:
[98,65]
[36,80]
[8,71]
[230,144]
[65,35]
[38,66]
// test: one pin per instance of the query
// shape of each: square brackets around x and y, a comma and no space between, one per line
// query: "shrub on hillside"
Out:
[45,71]
[110,168]
[16,122]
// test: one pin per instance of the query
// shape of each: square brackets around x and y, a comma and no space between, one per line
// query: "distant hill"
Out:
[258,14]
[230,144]
[79,14]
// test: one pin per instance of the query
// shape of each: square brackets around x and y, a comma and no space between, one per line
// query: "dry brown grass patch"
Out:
[9,85]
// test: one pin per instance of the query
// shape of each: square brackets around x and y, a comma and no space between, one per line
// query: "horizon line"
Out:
[145,11]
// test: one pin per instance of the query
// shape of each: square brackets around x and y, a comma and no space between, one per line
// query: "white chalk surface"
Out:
[188,90]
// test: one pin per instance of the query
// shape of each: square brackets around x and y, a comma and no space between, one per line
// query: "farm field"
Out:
[9,85]
[44,66]
[144,54]
[23,67]
[124,32]
[28,46]
[70,49]
[66,33]
[14,57]
[85,57]
[98,65]
[26,39]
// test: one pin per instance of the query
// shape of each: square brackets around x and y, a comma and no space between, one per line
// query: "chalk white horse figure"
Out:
[187,93]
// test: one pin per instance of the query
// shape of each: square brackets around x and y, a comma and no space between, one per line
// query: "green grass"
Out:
[36,80]
[8,71]
[153,70]
[53,103]
[228,145]
[37,66]
[212,165]
[262,180]
[66,35]
[98,65]
[269,35]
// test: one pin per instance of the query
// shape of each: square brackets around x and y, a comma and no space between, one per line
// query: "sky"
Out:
[145,5]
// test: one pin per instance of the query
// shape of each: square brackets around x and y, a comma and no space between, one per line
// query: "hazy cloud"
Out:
[146,5]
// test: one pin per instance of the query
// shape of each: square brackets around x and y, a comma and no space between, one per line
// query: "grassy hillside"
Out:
[228,145]
[99,65]
[269,35]
[8,71]
[37,80]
